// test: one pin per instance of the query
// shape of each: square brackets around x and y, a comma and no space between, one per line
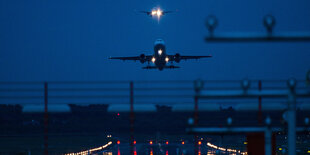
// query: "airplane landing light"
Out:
[167,59]
[160,52]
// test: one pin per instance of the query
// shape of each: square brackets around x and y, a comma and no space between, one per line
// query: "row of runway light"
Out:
[225,149]
[228,150]
[86,152]
[151,142]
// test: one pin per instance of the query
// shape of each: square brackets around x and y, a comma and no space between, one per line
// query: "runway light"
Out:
[151,142]
[153,59]
[183,142]
[167,59]
[280,149]
[245,143]
[167,142]
[134,142]
[118,142]
[199,142]
[117,114]
[160,52]
[90,150]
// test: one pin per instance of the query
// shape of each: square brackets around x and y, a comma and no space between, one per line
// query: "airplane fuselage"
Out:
[160,54]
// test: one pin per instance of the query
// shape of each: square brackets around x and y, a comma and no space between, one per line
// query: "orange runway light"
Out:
[118,142]
[167,142]
[183,142]
[134,142]
[199,142]
[151,142]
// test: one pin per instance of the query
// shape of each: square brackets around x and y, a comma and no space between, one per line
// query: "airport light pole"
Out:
[198,85]
[45,118]
[291,117]
[132,119]
[291,93]
[268,137]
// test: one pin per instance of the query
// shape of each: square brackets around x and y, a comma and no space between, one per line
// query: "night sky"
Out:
[71,40]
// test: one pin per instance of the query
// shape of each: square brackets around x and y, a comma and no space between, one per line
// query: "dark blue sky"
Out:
[71,40]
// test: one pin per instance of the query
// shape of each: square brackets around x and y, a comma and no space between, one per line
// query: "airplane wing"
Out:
[147,12]
[164,12]
[145,58]
[179,57]
[193,57]
[150,12]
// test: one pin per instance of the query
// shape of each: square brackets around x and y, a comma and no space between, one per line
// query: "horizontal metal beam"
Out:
[238,130]
[272,106]
[220,94]
[251,37]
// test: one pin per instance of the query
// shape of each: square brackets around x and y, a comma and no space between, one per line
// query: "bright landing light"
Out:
[154,12]
[157,13]
[153,59]
[167,59]
[160,52]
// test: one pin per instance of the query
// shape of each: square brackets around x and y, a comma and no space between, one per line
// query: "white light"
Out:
[90,150]
[154,12]
[167,59]
[153,59]
[159,13]
[160,52]
[225,149]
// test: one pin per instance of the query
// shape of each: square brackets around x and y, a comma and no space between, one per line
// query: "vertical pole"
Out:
[268,140]
[198,85]
[45,119]
[260,114]
[132,119]
[196,115]
[291,118]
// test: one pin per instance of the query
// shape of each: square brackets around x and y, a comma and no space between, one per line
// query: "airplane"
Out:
[156,12]
[160,58]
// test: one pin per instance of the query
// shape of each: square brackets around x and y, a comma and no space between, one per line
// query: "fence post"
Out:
[45,118]
[198,85]
[132,119]
[268,137]
[260,113]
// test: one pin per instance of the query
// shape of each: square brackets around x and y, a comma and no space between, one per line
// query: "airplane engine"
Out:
[177,57]
[142,58]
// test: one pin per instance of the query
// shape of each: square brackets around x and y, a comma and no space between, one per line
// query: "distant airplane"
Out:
[160,58]
[156,12]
